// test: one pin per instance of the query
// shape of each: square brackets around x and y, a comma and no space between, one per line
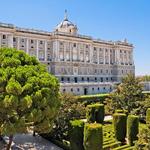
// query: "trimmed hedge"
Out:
[121,111]
[119,122]
[95,112]
[88,99]
[148,116]
[76,135]
[132,129]
[93,136]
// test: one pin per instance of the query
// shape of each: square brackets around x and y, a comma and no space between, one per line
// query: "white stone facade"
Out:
[82,64]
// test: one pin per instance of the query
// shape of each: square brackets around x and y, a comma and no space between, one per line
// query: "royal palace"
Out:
[83,65]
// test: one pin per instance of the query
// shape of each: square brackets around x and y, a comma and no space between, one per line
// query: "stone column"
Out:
[91,53]
[98,51]
[64,53]
[84,49]
[45,47]
[104,55]
[27,46]
[18,43]
[37,49]
[109,56]
[10,40]
[70,49]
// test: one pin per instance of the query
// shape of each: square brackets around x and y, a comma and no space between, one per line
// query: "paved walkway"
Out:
[29,142]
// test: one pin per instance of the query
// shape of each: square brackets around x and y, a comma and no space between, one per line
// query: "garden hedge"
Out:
[132,129]
[119,123]
[88,99]
[95,113]
[148,116]
[93,136]
[76,135]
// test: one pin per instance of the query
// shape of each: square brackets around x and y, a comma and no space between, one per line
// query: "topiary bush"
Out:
[119,111]
[76,135]
[132,129]
[95,112]
[119,123]
[148,116]
[93,136]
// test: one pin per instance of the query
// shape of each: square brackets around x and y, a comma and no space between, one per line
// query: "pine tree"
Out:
[29,95]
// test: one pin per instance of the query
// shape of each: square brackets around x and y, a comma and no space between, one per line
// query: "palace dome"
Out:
[66,26]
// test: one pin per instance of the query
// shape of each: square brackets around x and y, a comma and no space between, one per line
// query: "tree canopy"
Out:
[29,95]
[128,95]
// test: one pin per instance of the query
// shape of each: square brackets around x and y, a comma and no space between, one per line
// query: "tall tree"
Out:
[128,95]
[29,95]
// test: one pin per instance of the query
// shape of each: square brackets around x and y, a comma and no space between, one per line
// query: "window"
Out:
[62,79]
[14,39]
[106,79]
[64,90]
[101,79]
[98,88]
[95,79]
[68,79]
[88,79]
[82,79]
[104,88]
[87,46]
[94,48]
[32,41]
[41,42]
[22,40]
[78,89]
[74,45]
[4,36]
[92,89]
[71,89]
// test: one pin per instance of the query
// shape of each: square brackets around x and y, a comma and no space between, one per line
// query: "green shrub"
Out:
[132,129]
[111,146]
[119,111]
[95,112]
[148,116]
[88,99]
[119,122]
[93,136]
[76,135]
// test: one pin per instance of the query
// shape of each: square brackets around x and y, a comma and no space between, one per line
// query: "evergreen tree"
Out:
[29,95]
[128,95]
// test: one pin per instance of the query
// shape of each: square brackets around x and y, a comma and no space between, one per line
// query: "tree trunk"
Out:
[10,142]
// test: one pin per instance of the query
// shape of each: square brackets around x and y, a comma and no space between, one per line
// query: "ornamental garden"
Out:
[30,100]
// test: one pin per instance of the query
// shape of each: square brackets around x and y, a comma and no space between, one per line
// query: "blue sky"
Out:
[105,19]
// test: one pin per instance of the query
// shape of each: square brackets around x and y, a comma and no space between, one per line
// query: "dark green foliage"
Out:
[143,142]
[132,129]
[70,109]
[76,135]
[93,137]
[148,117]
[88,99]
[95,112]
[119,122]
[119,111]
[127,96]
[29,95]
